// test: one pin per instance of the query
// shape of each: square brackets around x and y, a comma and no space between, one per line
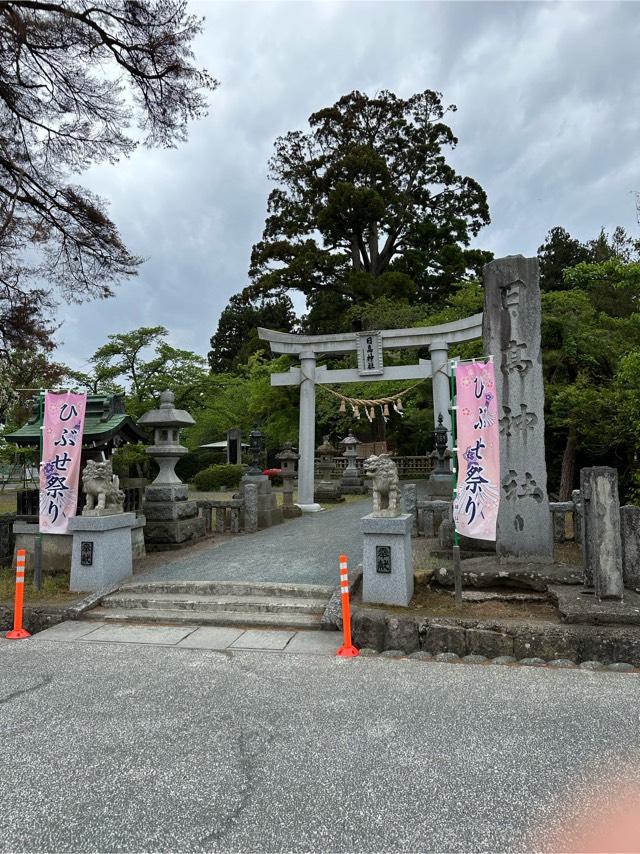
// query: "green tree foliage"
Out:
[367,206]
[126,358]
[74,78]
[590,329]
[237,335]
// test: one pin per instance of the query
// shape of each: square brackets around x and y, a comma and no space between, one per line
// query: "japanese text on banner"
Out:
[475,509]
[60,466]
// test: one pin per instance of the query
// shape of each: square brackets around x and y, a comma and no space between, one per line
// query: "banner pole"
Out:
[37,551]
[457,569]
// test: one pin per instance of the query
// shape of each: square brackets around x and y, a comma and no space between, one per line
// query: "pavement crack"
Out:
[247,762]
[47,680]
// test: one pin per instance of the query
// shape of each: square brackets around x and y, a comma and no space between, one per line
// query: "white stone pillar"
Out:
[441,385]
[307,432]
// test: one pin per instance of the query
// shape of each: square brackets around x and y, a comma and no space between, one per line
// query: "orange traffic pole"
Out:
[347,650]
[18,632]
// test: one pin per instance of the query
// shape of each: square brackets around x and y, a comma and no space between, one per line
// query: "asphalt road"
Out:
[115,747]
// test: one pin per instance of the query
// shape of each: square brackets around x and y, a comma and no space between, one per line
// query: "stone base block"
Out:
[440,487]
[179,531]
[101,553]
[353,488]
[138,550]
[387,561]
[166,492]
[56,548]
[161,510]
[291,511]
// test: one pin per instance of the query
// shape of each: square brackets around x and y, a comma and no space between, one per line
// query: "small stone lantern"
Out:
[256,446]
[351,481]
[288,459]
[440,483]
[327,489]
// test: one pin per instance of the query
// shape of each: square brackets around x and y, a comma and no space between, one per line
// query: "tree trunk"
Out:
[568,465]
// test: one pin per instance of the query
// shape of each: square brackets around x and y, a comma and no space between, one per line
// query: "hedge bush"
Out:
[193,462]
[216,477]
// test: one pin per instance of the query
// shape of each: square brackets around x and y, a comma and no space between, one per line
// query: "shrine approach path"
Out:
[302,551]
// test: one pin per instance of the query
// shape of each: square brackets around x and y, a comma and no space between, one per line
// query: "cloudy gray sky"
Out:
[547,121]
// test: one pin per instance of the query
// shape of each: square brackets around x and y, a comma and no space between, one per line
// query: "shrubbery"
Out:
[195,461]
[217,477]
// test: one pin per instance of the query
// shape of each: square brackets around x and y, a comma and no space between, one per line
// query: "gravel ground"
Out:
[107,747]
[303,550]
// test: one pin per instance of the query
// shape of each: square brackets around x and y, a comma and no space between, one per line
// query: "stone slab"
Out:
[170,509]
[101,523]
[630,532]
[373,524]
[167,492]
[69,630]
[602,538]
[579,606]
[256,639]
[174,530]
[485,572]
[315,643]
[211,637]
[162,635]
[394,533]
[511,334]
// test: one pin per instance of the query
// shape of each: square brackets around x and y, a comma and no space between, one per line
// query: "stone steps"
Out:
[182,617]
[231,588]
[124,600]
[216,603]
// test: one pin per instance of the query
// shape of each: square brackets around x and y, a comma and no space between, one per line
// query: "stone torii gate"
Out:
[370,347]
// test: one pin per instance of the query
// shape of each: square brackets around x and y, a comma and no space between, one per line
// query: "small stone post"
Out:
[576,497]
[288,459]
[410,505]
[602,540]
[630,529]
[251,508]
[511,332]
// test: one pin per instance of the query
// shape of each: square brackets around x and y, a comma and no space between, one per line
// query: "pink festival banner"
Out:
[475,509]
[60,467]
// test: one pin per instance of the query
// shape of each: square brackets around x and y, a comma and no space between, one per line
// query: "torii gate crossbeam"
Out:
[369,346]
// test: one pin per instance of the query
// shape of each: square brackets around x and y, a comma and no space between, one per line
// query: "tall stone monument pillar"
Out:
[511,333]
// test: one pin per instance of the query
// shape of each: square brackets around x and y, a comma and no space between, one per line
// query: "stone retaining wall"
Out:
[380,630]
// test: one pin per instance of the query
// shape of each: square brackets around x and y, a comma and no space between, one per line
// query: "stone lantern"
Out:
[172,520]
[288,459]
[351,482]
[256,447]
[326,489]
[166,449]
[440,483]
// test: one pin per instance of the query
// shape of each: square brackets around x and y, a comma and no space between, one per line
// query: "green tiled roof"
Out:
[105,418]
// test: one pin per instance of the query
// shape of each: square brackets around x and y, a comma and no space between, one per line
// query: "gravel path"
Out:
[303,550]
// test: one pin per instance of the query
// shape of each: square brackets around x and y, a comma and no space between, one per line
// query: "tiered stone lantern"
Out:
[352,483]
[288,459]
[440,483]
[326,489]
[172,520]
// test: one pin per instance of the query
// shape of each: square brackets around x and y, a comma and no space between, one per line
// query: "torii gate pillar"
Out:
[439,353]
[307,432]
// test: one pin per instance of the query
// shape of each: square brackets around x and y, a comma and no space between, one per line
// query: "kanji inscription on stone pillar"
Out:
[511,333]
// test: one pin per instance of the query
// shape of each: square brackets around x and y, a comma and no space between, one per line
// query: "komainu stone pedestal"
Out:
[387,564]
[101,552]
